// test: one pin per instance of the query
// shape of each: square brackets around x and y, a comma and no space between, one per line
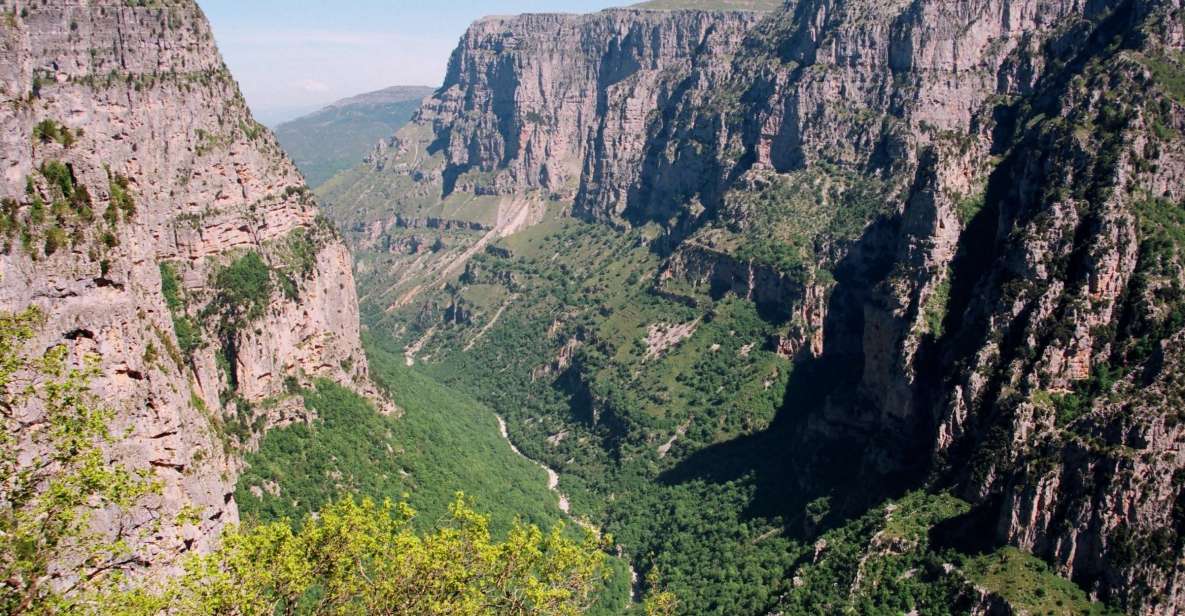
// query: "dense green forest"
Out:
[711,512]
[438,442]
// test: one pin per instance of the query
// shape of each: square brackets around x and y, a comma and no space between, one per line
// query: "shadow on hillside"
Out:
[818,445]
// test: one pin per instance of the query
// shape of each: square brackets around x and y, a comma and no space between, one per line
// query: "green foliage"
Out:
[46,507]
[719,383]
[1069,406]
[55,239]
[788,219]
[37,212]
[242,292]
[121,198]
[968,207]
[59,176]
[170,287]
[659,602]
[299,253]
[1030,586]
[350,557]
[852,571]
[48,130]
[367,558]
[189,336]
[442,442]
[934,312]
[1169,72]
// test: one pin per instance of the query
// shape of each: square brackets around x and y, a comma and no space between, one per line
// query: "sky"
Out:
[293,57]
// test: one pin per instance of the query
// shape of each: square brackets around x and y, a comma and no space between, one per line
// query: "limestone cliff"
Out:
[157,225]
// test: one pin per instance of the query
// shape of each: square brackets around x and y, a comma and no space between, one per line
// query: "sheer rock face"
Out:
[151,111]
[555,101]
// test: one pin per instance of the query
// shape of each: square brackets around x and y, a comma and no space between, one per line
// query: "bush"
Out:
[55,239]
[367,558]
[59,175]
[189,337]
[243,290]
[121,198]
[47,131]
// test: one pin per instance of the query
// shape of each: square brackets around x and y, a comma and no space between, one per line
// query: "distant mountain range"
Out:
[338,136]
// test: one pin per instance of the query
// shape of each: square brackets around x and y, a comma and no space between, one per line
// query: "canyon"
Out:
[824,306]
[955,222]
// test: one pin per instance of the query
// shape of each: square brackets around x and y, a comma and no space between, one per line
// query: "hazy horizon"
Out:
[294,57]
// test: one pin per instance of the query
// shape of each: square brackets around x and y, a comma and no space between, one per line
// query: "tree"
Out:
[659,602]
[365,558]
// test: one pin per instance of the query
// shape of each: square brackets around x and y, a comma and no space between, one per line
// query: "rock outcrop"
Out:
[159,227]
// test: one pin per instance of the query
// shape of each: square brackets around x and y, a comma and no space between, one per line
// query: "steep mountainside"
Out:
[528,104]
[828,257]
[340,135]
[159,227]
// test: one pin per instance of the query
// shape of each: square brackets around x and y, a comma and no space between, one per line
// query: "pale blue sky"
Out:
[294,56]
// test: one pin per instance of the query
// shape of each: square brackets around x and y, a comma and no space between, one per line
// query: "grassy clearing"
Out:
[1028,584]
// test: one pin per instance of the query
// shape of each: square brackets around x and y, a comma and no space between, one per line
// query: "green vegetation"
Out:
[629,427]
[366,558]
[184,327]
[55,238]
[48,130]
[849,573]
[1169,72]
[935,308]
[792,216]
[121,199]
[47,508]
[968,207]
[60,176]
[349,557]
[719,383]
[884,563]
[442,442]
[56,212]
[1029,585]
[242,291]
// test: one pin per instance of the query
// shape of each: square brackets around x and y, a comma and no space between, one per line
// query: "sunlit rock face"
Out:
[165,165]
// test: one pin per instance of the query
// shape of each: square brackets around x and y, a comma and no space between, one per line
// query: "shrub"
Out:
[243,290]
[121,197]
[187,331]
[59,175]
[47,131]
[55,239]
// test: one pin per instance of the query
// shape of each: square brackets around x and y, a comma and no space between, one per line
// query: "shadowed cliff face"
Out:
[133,177]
